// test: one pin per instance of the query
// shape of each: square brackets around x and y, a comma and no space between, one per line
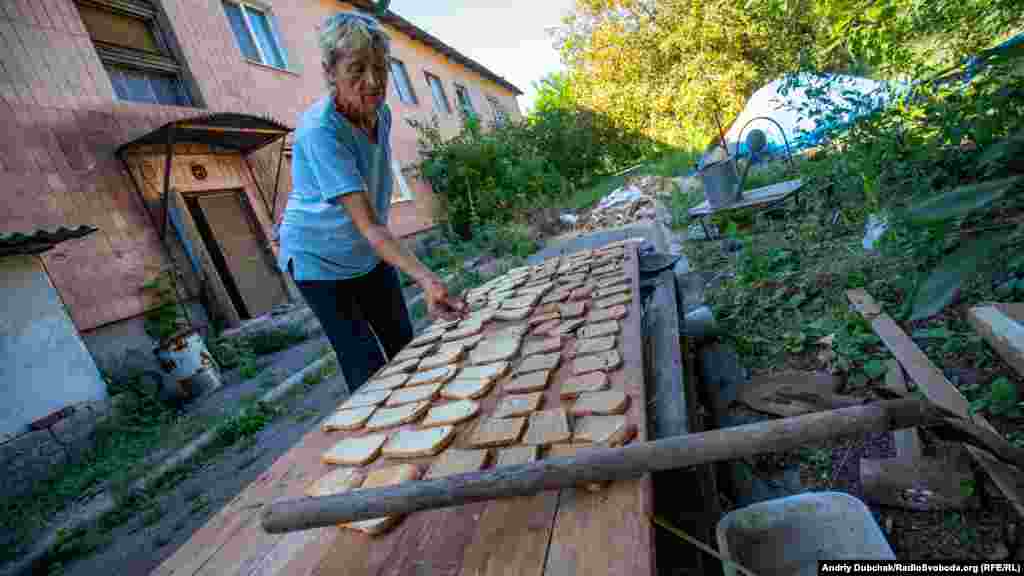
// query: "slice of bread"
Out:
[576,385]
[357,451]
[531,382]
[604,314]
[454,461]
[613,291]
[527,301]
[413,394]
[385,418]
[491,351]
[336,482]
[348,419]
[559,294]
[542,318]
[586,346]
[568,326]
[385,383]
[497,432]
[518,405]
[488,372]
[514,314]
[398,367]
[547,345]
[441,375]
[572,310]
[546,328]
[417,443]
[426,338]
[445,356]
[582,293]
[538,363]
[418,352]
[612,301]
[371,398]
[463,331]
[598,329]
[516,455]
[548,427]
[599,429]
[379,478]
[460,389]
[602,403]
[451,413]
[602,361]
[612,281]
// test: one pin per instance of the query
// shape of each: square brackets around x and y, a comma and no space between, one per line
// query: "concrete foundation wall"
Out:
[112,344]
[44,365]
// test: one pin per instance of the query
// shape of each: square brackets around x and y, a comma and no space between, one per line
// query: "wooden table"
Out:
[571,531]
[758,199]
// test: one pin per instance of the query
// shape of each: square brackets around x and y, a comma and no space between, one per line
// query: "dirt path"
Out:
[143,542]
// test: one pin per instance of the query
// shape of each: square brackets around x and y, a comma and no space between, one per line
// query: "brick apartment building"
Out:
[80,79]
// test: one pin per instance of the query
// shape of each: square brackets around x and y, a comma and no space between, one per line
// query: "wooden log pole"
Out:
[598,465]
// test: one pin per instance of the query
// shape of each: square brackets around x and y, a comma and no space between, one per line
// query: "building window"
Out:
[500,114]
[135,51]
[464,101]
[437,90]
[400,191]
[256,34]
[400,79]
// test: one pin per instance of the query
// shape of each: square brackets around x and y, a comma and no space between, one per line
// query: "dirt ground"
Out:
[143,542]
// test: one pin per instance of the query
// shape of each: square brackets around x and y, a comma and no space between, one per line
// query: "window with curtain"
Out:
[135,52]
[256,35]
[400,80]
[464,101]
[500,114]
[437,91]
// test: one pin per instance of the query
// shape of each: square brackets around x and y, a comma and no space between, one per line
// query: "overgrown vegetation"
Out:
[505,172]
[242,352]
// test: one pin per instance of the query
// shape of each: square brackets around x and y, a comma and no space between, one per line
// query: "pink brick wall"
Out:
[61,125]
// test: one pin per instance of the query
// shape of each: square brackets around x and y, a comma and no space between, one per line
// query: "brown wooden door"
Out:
[251,267]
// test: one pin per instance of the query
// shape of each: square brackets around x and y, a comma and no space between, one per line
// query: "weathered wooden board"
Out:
[566,532]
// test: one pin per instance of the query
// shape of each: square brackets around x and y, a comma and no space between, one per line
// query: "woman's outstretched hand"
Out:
[439,302]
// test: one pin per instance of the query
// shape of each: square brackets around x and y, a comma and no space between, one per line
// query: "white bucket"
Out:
[190,367]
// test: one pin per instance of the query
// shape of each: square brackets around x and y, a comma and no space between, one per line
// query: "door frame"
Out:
[227,281]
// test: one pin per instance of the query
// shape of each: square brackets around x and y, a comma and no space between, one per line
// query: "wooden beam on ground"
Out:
[940,391]
[598,465]
[1002,326]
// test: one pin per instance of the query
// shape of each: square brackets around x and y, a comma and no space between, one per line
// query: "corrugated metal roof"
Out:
[242,132]
[40,241]
[422,35]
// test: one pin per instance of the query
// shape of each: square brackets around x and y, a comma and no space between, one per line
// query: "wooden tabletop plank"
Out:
[602,532]
[508,536]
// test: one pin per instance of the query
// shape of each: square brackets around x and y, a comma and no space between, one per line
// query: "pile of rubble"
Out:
[637,200]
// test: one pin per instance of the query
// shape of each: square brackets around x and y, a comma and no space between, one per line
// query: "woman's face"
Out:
[362,81]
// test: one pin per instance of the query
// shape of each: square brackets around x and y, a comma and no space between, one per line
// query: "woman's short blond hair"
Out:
[347,33]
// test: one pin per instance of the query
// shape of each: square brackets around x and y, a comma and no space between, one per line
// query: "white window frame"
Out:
[501,115]
[447,109]
[245,7]
[404,191]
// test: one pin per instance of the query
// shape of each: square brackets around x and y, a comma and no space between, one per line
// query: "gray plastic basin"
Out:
[787,536]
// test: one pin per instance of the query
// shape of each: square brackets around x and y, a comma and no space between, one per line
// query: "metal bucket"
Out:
[721,183]
[189,366]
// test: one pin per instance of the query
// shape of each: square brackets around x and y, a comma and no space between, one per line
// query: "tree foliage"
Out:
[666,67]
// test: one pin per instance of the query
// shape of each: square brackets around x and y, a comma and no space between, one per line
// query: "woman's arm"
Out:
[439,303]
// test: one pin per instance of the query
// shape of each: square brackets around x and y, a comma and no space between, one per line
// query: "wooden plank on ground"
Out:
[1002,326]
[940,391]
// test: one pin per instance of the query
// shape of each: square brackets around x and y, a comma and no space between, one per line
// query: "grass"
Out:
[242,352]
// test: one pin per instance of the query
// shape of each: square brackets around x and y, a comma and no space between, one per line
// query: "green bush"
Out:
[490,176]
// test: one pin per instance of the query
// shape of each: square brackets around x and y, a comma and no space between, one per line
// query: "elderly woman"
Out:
[335,242]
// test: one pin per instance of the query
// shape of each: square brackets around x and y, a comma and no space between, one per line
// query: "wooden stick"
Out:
[702,546]
[598,465]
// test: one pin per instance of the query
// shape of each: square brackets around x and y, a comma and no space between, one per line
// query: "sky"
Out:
[508,37]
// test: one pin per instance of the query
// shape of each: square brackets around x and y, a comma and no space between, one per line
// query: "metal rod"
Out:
[252,174]
[167,179]
[598,465]
[789,153]
[277,180]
